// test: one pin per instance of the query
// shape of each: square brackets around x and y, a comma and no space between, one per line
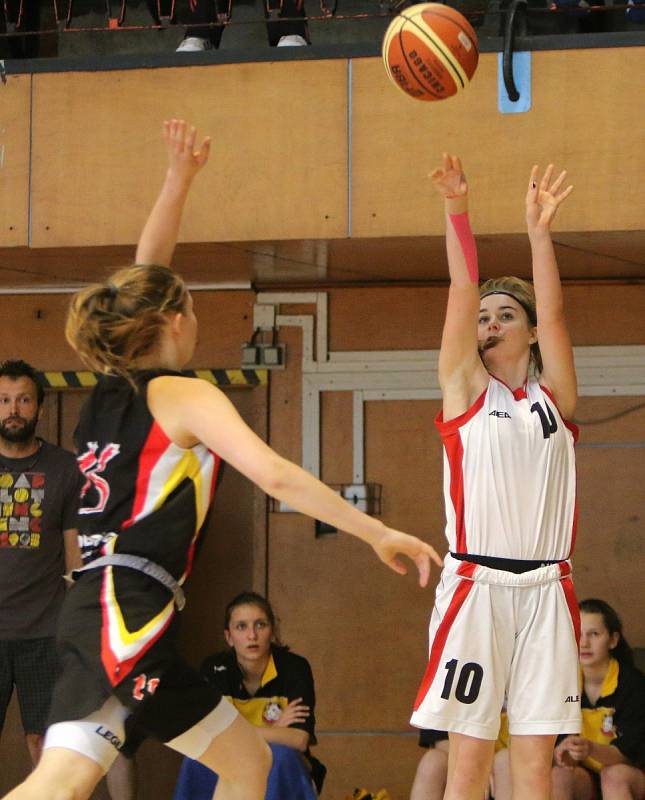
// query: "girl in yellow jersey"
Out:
[610,752]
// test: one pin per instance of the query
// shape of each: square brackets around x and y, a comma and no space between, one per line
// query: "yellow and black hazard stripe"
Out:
[84,379]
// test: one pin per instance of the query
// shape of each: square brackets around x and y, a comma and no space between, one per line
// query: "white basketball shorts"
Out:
[496,635]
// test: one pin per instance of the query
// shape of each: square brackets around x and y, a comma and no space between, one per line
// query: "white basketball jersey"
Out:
[509,476]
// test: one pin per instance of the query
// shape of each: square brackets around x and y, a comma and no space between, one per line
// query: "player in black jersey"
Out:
[150,443]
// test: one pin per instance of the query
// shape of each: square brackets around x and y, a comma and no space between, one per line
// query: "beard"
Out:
[18,434]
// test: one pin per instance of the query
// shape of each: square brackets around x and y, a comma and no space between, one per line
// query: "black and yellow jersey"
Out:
[618,716]
[286,677]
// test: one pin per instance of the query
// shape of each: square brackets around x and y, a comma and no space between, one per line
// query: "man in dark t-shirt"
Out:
[39,491]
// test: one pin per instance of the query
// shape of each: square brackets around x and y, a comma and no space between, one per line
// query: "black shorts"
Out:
[428,738]
[122,643]
[30,665]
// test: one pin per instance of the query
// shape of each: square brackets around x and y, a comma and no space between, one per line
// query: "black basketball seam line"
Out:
[405,58]
[441,49]
[472,36]
[384,55]
[438,44]
[394,38]
[468,31]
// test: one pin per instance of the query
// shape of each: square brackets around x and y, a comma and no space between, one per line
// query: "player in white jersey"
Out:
[505,622]
[509,475]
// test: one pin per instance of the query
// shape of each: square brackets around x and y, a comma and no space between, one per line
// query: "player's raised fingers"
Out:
[533,178]
[557,183]
[563,195]
[546,178]
[189,139]
[204,151]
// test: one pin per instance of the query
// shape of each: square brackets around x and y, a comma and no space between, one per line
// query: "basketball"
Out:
[430,51]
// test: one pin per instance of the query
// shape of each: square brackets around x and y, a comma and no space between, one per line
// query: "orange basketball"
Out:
[430,51]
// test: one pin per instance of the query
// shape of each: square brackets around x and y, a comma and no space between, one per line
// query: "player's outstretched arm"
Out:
[543,198]
[191,410]
[459,362]
[159,236]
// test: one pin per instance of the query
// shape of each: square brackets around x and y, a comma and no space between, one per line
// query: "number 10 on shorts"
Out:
[468,683]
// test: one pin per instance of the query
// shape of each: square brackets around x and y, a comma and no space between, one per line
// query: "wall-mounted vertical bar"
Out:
[31,150]
[310,427]
[358,429]
[322,354]
[349,146]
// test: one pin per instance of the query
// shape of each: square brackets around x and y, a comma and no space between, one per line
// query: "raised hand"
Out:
[183,159]
[394,543]
[159,236]
[449,179]
[295,712]
[544,198]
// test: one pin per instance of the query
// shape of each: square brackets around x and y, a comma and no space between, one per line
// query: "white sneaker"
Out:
[194,44]
[293,40]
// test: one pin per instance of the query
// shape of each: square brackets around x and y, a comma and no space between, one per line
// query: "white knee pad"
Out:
[98,736]
[195,741]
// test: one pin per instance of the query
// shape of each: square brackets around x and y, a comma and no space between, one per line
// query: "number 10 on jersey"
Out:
[468,683]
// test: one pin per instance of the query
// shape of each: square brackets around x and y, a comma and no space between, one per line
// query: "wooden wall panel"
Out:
[581,124]
[610,548]
[397,318]
[15,98]
[601,315]
[286,399]
[35,329]
[35,326]
[281,154]
[266,122]
[370,762]
[337,581]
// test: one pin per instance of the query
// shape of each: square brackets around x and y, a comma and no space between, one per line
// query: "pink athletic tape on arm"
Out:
[461,225]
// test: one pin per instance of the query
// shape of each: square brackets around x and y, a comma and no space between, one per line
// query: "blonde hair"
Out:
[523,292]
[113,324]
